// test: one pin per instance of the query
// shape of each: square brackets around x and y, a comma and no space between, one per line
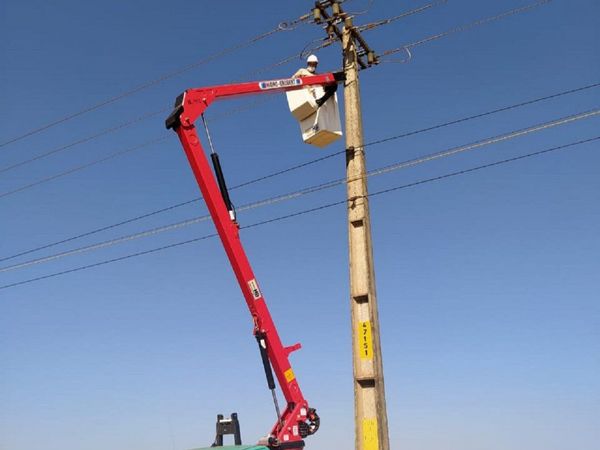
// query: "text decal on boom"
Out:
[275,84]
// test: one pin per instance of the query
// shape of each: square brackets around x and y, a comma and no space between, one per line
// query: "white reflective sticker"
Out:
[253,286]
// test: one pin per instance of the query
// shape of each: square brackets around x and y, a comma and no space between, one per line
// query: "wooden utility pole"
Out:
[371,424]
[370,412]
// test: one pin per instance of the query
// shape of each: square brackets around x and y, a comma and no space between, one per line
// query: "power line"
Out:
[285,61]
[106,244]
[460,28]
[311,162]
[307,211]
[210,58]
[84,140]
[144,116]
[484,114]
[559,94]
[364,11]
[308,49]
[281,27]
[372,25]
[125,125]
[486,166]
[80,167]
[489,141]
[98,230]
[270,67]
[119,153]
[122,258]
[312,189]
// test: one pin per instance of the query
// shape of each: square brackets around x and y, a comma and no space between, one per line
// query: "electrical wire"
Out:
[372,25]
[122,258]
[81,167]
[311,162]
[127,124]
[226,51]
[571,91]
[116,154]
[145,116]
[312,189]
[486,142]
[485,166]
[84,140]
[283,26]
[286,60]
[307,50]
[306,211]
[105,228]
[364,11]
[105,244]
[465,27]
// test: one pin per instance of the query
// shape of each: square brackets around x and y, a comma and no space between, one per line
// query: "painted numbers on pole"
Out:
[365,340]
[370,439]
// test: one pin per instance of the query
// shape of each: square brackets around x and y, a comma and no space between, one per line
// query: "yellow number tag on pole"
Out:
[365,340]
[370,439]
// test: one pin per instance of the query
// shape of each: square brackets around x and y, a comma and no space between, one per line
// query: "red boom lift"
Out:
[298,420]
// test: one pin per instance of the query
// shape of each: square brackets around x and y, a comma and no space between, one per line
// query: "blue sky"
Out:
[487,282]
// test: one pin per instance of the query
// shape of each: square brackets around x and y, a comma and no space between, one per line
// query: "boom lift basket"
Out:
[319,126]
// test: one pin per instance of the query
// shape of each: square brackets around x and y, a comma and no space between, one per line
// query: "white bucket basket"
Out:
[319,126]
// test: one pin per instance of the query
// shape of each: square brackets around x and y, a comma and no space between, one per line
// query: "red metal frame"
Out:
[189,106]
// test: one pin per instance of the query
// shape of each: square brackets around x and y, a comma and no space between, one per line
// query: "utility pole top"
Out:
[338,16]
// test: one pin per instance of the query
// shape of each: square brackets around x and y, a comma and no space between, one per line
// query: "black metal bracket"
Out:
[173,121]
[228,425]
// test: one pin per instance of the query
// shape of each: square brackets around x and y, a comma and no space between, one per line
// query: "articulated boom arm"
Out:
[193,102]
[297,420]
